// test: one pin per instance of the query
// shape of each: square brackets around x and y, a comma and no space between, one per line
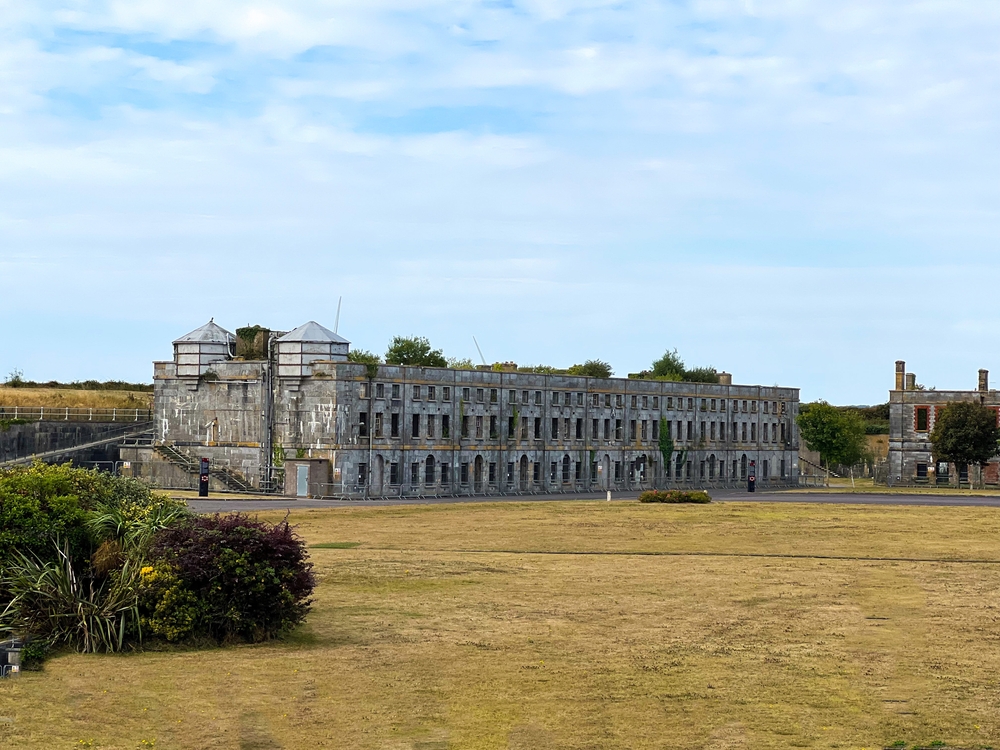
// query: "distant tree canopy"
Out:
[965,433]
[837,435]
[592,368]
[414,350]
[363,357]
[671,367]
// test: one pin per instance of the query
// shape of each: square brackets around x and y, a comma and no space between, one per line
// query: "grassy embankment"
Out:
[81,399]
[581,625]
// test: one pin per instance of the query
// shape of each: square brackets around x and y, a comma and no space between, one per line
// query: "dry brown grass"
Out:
[75,398]
[495,626]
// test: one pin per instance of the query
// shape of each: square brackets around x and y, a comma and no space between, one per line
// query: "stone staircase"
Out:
[233,480]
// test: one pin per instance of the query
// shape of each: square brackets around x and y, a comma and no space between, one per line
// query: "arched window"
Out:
[429,471]
[565,469]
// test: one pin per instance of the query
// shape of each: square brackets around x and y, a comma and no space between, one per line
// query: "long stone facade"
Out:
[912,413]
[306,420]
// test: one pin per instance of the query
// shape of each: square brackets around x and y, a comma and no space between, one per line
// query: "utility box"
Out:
[307,477]
[10,657]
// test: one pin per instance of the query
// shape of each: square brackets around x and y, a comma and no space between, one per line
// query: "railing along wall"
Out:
[74,414]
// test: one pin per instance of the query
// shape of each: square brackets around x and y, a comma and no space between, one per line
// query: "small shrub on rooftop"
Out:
[674,496]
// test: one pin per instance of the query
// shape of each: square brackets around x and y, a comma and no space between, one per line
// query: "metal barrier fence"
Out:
[72,414]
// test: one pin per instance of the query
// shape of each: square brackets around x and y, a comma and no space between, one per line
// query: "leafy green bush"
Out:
[674,496]
[227,577]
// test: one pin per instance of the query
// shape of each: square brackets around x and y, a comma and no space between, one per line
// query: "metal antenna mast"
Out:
[336,321]
[479,350]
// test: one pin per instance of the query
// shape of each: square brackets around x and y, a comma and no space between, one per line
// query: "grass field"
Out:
[75,399]
[581,625]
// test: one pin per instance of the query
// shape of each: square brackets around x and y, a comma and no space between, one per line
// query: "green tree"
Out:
[666,444]
[702,375]
[414,350]
[965,433]
[669,367]
[460,363]
[838,436]
[363,357]
[592,368]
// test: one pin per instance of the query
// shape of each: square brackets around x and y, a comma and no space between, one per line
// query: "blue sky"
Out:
[799,193]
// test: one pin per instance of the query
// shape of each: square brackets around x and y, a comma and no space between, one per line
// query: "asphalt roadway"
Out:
[219,504]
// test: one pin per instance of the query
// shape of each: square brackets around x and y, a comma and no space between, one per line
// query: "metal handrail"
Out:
[74,414]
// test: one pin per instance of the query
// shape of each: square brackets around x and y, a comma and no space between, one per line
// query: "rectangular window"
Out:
[362,474]
[524,397]
[579,399]
[363,424]
[690,404]
[445,426]
[701,469]
[595,400]
[365,390]
[687,470]
[480,395]
[394,425]
[735,431]
[782,468]
[538,428]
[493,472]
[464,472]
[555,428]
[743,432]
[579,429]
[704,404]
[395,390]
[690,431]
[445,469]
[536,472]
[744,407]
[565,429]
[380,390]
[431,393]
[656,429]
[595,430]
[618,471]
[607,400]
[701,430]
[579,470]
[782,432]
[394,473]
[631,430]
[722,430]
[465,395]
[510,471]
[415,432]
[479,427]
[553,468]
[645,402]
[619,400]
[722,407]
[446,393]
[713,405]
[643,432]
[494,435]
[565,472]
[512,397]
[753,407]
[510,428]
[670,402]
[923,413]
[415,472]
[538,397]
[378,424]
[430,426]
[465,426]
[524,428]
[618,430]
[494,395]
[555,400]
[634,400]
[416,393]
[429,473]
[753,431]
[766,405]
[656,402]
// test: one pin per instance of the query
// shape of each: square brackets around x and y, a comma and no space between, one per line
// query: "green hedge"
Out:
[674,496]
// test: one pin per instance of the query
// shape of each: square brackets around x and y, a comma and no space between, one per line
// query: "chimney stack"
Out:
[911,381]
[984,380]
[725,378]
[900,374]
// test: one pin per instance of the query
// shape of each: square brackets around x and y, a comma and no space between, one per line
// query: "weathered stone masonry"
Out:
[341,428]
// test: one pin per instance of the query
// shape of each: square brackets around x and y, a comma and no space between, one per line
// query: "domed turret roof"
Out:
[210,333]
[313,333]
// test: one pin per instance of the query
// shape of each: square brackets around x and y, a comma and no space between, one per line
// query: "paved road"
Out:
[218,504]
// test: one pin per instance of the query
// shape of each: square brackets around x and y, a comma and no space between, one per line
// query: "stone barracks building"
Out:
[289,412]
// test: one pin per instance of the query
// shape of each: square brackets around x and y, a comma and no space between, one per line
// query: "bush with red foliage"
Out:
[251,579]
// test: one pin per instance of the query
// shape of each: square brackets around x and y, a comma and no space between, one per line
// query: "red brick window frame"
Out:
[921,418]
